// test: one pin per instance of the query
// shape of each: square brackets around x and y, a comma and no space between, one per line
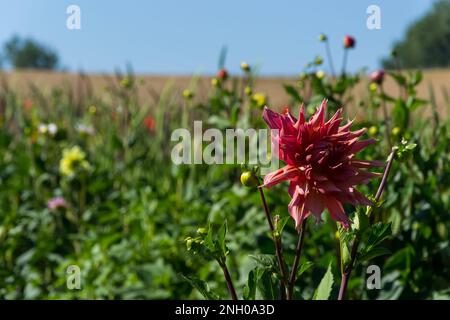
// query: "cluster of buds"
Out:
[194,244]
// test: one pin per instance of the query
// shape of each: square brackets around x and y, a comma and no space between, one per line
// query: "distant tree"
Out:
[27,53]
[427,41]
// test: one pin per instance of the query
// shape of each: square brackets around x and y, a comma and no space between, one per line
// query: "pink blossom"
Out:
[320,163]
[56,203]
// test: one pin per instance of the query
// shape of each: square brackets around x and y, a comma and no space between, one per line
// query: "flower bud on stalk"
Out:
[249,179]
[377,77]
[349,42]
[322,37]
[245,67]
[222,74]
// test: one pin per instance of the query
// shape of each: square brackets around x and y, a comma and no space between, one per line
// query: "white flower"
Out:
[52,129]
[85,129]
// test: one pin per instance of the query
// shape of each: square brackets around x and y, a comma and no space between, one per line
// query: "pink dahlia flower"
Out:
[320,163]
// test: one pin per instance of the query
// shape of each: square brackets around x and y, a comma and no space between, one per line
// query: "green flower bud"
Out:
[249,179]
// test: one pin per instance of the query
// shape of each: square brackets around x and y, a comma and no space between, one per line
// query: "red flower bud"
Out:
[149,123]
[349,42]
[222,74]
[377,76]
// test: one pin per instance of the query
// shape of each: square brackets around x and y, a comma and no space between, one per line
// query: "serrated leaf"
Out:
[265,261]
[379,232]
[326,284]
[373,253]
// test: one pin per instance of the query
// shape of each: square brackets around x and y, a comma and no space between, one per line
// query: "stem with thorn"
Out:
[347,272]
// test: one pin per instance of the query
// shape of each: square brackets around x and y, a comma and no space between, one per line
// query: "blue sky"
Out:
[185,37]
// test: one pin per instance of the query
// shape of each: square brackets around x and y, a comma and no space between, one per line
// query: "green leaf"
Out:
[416,78]
[208,241]
[400,114]
[324,289]
[379,232]
[267,287]
[303,267]
[400,79]
[414,103]
[265,261]
[250,287]
[221,235]
[290,90]
[201,286]
[373,253]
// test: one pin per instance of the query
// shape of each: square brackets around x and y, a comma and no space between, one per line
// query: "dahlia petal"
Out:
[301,116]
[297,209]
[337,211]
[359,145]
[346,127]
[272,119]
[315,203]
[286,173]
[366,163]
[318,118]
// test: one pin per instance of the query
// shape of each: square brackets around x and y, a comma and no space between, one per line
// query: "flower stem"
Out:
[227,276]
[386,119]
[344,63]
[278,246]
[330,59]
[298,253]
[381,187]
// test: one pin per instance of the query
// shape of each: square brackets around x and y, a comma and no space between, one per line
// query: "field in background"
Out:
[151,86]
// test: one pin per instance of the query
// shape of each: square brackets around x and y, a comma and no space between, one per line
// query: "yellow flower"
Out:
[72,159]
[373,130]
[322,37]
[248,91]
[92,109]
[260,99]
[373,87]
[187,94]
[214,82]
[396,131]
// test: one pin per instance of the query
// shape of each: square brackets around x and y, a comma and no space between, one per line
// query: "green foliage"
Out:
[132,219]
[27,53]
[427,41]
[323,291]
